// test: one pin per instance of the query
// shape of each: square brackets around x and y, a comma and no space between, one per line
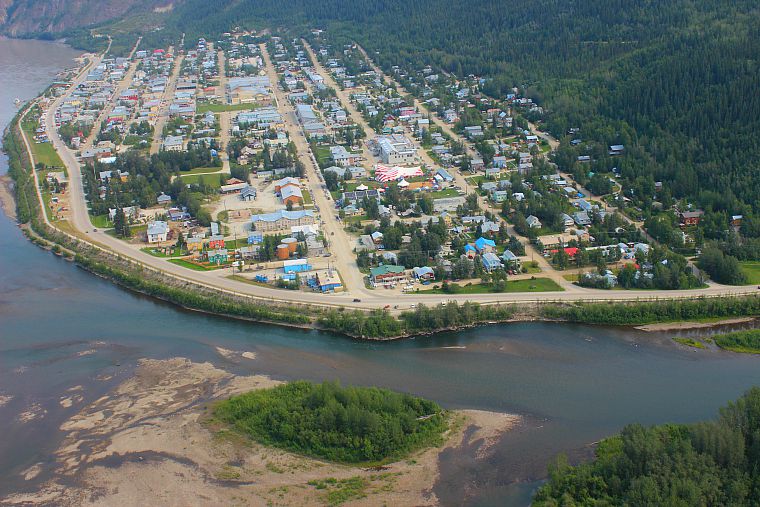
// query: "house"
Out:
[157,231]
[254,238]
[491,261]
[567,220]
[470,251]
[281,219]
[387,274]
[492,172]
[296,266]
[689,218]
[163,199]
[581,218]
[484,245]
[194,245]
[510,259]
[329,281]
[424,273]
[533,222]
[489,227]
[216,241]
[342,157]
[377,237]
[218,256]
[616,149]
[173,143]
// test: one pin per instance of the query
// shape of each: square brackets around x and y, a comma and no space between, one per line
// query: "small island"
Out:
[340,424]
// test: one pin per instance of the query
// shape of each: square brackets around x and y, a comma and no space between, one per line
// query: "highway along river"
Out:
[61,327]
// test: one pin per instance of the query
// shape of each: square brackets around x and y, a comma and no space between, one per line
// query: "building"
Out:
[194,245]
[387,274]
[296,266]
[281,220]
[533,222]
[396,149]
[218,256]
[490,261]
[157,231]
[288,181]
[291,195]
[424,273]
[689,218]
[342,157]
[329,281]
[216,241]
[510,259]
[248,193]
[173,143]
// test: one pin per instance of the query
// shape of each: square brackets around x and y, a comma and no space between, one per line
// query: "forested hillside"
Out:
[676,81]
[711,463]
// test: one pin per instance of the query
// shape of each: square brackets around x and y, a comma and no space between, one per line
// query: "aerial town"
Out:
[277,163]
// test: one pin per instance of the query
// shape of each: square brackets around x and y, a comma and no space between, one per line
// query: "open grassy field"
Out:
[44,153]
[201,170]
[752,270]
[534,285]
[211,180]
[189,265]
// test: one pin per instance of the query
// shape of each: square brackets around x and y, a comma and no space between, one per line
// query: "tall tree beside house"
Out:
[120,225]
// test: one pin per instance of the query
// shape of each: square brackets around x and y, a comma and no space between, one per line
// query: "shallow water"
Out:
[61,327]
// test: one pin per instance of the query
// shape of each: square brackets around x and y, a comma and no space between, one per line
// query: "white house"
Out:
[157,231]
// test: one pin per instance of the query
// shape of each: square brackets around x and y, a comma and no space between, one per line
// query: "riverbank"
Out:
[681,326]
[149,436]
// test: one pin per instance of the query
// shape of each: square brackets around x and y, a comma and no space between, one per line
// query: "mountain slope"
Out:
[33,17]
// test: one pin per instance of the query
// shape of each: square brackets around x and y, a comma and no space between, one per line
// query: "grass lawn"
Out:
[307,197]
[159,253]
[350,186]
[204,107]
[448,192]
[100,221]
[189,265]
[323,155]
[752,270]
[475,180]
[572,278]
[44,153]
[535,285]
[211,180]
[201,170]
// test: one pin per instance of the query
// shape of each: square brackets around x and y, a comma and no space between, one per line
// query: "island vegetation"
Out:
[341,424]
[708,463]
[746,342]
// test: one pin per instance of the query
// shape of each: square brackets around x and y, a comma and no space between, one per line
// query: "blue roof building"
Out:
[490,261]
[482,244]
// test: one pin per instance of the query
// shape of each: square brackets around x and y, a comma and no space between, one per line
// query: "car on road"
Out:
[357,300]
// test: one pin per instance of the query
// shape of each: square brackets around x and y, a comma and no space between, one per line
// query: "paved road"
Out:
[370,298]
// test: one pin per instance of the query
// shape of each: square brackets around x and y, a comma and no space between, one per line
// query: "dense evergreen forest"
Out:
[675,81]
[709,463]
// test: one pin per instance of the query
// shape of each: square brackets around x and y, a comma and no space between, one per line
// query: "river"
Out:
[61,327]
